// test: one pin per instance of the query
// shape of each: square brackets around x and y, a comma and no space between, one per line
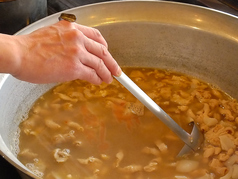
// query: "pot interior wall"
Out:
[16,99]
[195,52]
[209,56]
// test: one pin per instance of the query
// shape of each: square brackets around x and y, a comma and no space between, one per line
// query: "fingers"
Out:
[102,53]
[91,33]
[96,59]
[89,74]
[99,67]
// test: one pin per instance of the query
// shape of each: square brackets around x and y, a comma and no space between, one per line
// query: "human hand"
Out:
[62,52]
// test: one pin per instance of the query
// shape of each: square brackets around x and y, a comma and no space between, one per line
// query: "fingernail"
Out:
[118,71]
[110,81]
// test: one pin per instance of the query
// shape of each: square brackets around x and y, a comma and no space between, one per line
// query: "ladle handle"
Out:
[153,107]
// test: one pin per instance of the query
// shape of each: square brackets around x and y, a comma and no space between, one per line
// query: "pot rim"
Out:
[94,15]
[201,18]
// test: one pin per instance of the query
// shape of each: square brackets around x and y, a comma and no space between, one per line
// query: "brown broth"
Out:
[79,130]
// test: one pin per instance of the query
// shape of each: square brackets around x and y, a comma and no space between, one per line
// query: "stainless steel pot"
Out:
[16,14]
[189,39]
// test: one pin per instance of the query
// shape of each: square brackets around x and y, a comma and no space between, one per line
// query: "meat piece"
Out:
[51,124]
[208,152]
[131,168]
[180,100]
[227,114]
[61,155]
[223,157]
[152,166]
[215,163]
[75,126]
[60,138]
[119,157]
[28,153]
[150,150]
[186,166]
[212,135]
[227,142]
[183,108]
[210,121]
[137,74]
[77,143]
[136,108]
[105,157]
[234,171]
[91,161]
[161,146]
[78,95]
[166,92]
[232,160]
[202,95]
[67,98]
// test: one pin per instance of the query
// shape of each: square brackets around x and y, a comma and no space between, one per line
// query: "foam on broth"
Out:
[80,130]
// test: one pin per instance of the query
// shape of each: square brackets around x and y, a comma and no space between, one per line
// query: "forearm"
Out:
[10,54]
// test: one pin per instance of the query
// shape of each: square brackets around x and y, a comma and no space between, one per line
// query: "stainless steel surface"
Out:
[17,14]
[192,141]
[199,42]
[1,77]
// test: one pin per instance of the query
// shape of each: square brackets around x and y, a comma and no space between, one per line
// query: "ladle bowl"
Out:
[192,141]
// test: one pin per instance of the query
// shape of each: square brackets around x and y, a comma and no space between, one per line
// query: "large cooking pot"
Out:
[189,39]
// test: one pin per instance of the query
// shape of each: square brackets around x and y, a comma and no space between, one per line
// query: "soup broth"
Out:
[78,130]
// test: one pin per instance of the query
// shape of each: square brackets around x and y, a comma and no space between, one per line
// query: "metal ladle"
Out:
[192,141]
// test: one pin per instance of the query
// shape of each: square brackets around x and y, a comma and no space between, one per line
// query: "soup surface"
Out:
[82,131]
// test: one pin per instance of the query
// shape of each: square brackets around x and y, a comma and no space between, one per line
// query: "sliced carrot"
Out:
[123,114]
[104,145]
[89,118]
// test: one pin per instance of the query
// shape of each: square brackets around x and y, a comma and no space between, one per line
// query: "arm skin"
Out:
[61,52]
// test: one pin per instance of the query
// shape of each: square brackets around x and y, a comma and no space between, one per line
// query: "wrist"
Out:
[10,54]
